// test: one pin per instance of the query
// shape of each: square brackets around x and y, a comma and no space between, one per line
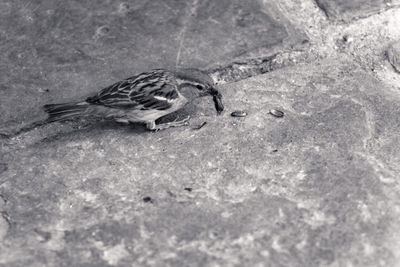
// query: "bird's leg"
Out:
[157,127]
[122,121]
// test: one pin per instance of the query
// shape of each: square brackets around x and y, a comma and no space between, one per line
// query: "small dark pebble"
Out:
[200,126]
[218,103]
[276,113]
[275,150]
[189,189]
[148,199]
[239,113]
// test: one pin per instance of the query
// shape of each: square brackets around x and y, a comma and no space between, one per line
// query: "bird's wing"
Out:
[151,90]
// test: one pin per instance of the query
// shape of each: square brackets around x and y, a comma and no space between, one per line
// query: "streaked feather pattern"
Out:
[142,98]
[151,90]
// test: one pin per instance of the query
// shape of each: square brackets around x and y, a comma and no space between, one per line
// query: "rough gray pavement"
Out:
[55,50]
[317,187]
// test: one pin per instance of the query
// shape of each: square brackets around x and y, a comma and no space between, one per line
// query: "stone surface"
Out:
[318,187]
[53,51]
[347,10]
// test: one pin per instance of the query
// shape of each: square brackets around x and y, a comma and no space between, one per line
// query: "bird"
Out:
[143,98]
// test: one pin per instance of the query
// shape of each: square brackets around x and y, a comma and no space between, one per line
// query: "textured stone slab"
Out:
[317,187]
[347,10]
[393,55]
[57,50]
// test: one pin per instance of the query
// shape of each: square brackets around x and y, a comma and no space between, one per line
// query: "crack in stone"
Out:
[7,218]
[241,70]
[237,71]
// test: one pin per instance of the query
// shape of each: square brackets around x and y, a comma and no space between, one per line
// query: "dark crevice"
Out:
[7,218]
[322,7]
[26,128]
[241,70]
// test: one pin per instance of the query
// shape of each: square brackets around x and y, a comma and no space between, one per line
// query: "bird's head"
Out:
[202,83]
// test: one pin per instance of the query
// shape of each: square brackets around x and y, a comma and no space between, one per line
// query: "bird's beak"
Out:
[213,91]
[217,97]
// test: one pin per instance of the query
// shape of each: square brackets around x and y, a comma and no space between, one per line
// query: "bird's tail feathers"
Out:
[65,111]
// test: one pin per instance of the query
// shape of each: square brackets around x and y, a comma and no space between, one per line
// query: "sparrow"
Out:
[143,98]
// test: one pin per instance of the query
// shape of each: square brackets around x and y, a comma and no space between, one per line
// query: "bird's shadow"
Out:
[92,128]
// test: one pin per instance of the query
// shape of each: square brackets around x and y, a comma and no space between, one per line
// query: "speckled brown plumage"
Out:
[141,98]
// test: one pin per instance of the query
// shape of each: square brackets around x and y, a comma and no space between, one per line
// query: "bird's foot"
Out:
[123,121]
[176,123]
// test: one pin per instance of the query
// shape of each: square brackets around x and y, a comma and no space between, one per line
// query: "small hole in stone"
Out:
[189,189]
[148,199]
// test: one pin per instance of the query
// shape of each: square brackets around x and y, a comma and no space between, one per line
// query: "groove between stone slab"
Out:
[241,70]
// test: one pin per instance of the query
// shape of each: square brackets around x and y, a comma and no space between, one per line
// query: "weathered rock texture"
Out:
[393,55]
[53,50]
[347,10]
[317,187]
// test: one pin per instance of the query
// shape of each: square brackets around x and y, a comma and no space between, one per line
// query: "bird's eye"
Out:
[200,87]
